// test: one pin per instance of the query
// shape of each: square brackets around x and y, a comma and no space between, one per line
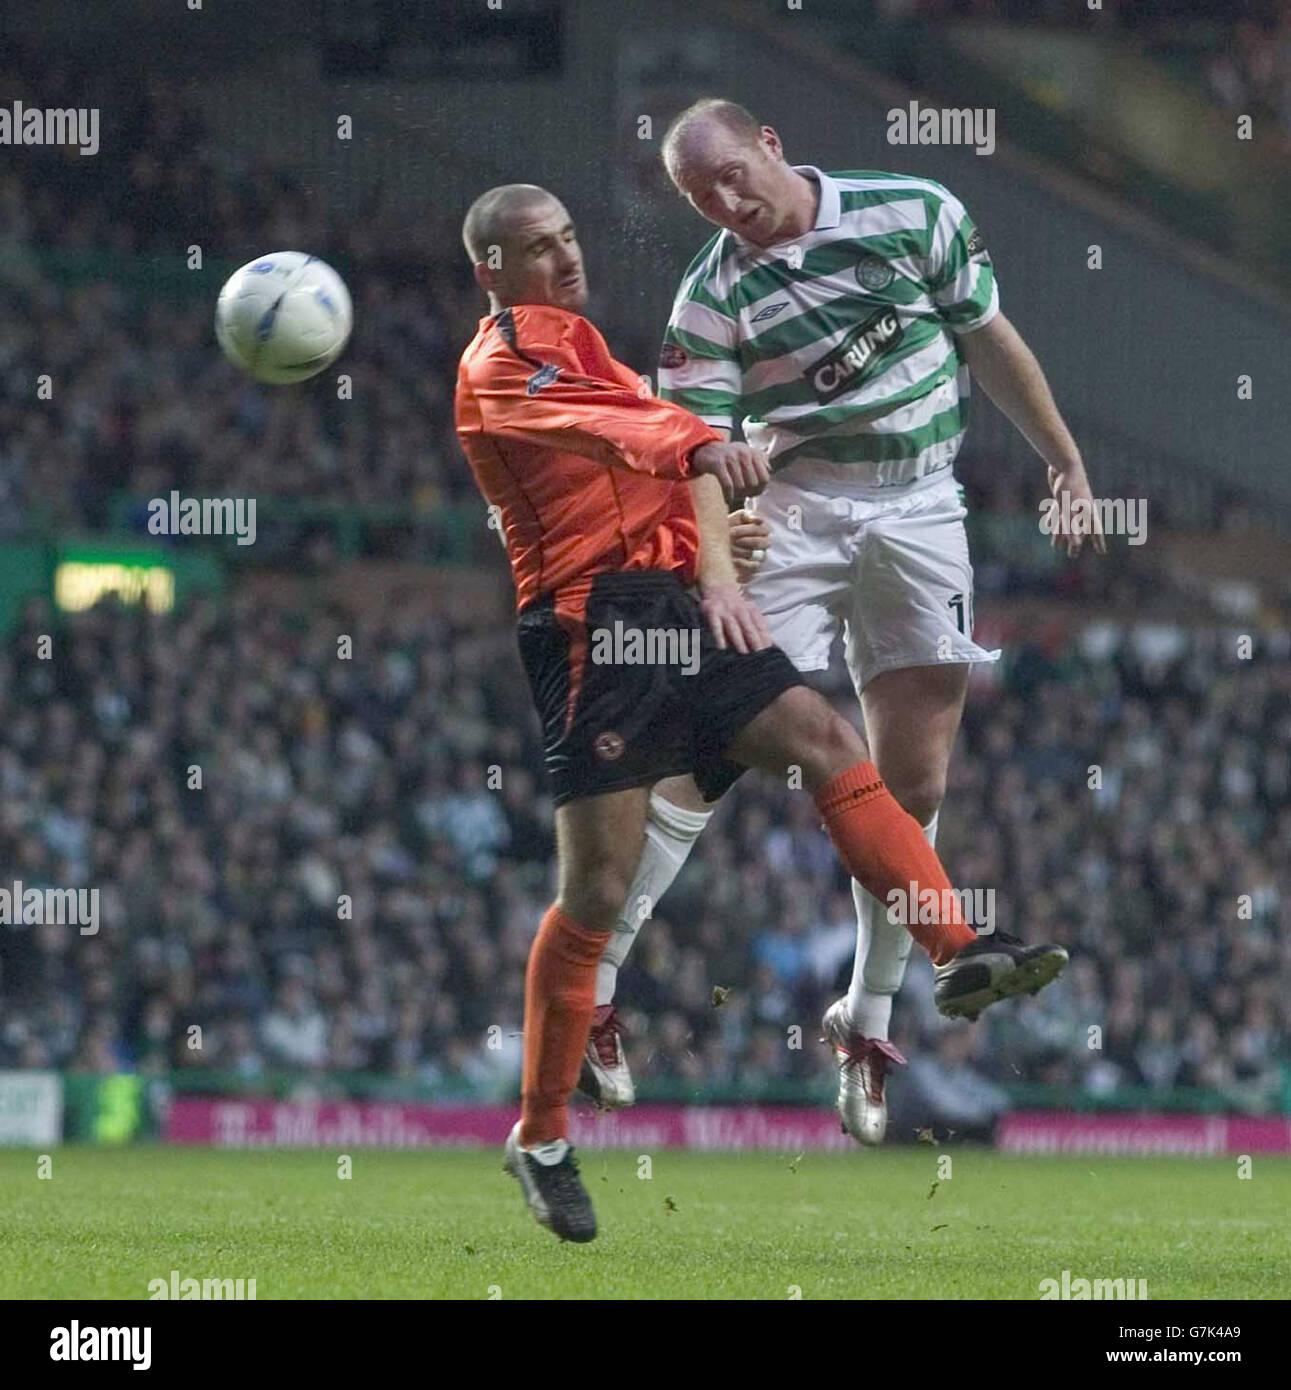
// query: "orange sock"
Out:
[559,998]
[884,848]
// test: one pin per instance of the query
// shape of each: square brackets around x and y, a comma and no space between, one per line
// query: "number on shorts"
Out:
[957,603]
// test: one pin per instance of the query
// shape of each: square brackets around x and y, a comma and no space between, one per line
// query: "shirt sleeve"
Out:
[699,366]
[543,396]
[961,278]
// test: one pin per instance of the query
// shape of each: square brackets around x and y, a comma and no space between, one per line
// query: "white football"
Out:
[283,317]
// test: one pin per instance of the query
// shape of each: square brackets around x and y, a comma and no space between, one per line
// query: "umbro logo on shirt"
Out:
[769,312]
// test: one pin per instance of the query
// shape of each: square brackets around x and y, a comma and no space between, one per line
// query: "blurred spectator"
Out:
[294,1033]
[943,1090]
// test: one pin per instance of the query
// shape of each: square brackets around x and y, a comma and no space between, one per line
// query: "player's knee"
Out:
[595,896]
[834,744]
[679,791]
[921,794]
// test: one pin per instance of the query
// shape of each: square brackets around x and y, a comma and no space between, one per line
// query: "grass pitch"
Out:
[872,1225]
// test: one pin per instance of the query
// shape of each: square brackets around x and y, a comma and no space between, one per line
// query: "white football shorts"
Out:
[892,573]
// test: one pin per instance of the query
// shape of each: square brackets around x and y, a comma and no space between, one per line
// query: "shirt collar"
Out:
[831,204]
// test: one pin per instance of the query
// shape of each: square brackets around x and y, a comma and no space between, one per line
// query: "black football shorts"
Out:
[631,687]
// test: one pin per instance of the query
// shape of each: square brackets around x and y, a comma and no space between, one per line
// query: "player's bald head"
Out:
[733,171]
[524,249]
[693,130]
[491,218]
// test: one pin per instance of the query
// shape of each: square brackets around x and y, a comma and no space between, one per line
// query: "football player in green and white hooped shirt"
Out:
[838,318]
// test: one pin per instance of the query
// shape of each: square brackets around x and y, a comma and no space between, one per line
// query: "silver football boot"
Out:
[862,1075]
[604,1077]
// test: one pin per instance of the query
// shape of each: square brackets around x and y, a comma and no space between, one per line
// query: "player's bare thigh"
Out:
[598,843]
[799,729]
[911,718]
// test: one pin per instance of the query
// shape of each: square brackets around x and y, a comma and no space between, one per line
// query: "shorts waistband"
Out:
[612,582]
[840,485]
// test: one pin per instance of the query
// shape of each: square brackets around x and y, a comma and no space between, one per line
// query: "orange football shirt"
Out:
[586,467]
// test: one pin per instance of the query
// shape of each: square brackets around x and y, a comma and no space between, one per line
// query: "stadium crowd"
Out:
[355,883]
[142,402]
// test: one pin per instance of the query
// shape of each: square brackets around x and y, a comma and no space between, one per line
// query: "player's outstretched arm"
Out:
[545,399]
[732,618]
[1009,373]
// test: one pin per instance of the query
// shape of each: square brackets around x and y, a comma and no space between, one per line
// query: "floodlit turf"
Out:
[451,1225]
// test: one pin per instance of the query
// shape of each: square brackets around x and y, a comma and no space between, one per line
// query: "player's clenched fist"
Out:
[750,536]
[740,469]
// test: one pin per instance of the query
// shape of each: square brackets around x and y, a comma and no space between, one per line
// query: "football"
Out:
[283,317]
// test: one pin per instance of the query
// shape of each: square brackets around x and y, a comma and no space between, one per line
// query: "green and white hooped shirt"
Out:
[837,350]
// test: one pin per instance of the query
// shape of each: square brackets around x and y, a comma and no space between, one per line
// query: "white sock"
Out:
[882,950]
[670,835]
